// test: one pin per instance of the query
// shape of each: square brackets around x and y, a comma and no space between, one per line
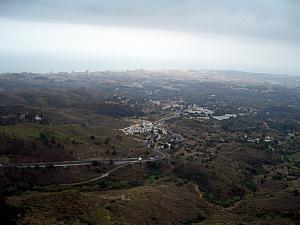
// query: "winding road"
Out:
[120,163]
[159,155]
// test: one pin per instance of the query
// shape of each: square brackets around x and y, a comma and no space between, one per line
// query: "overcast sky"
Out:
[65,35]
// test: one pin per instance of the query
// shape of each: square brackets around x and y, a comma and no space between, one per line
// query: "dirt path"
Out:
[96,178]
[196,188]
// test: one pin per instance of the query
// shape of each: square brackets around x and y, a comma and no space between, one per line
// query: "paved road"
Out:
[178,137]
[158,156]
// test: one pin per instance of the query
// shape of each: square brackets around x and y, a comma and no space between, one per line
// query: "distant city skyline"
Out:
[52,35]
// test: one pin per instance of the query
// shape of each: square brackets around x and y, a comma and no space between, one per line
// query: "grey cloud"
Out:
[275,19]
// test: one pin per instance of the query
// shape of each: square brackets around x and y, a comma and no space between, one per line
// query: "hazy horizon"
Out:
[255,36]
[87,71]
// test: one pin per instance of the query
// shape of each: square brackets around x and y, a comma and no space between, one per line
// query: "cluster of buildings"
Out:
[205,113]
[197,110]
[121,100]
[144,127]
[31,117]
[259,140]
[225,117]
[172,106]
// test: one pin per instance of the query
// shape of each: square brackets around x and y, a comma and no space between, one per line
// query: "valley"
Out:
[149,147]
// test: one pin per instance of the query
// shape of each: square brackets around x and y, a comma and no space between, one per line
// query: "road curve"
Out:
[159,156]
